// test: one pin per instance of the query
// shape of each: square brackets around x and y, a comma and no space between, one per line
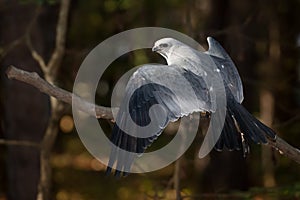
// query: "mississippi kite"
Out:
[170,87]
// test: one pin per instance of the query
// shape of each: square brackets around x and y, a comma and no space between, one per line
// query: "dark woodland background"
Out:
[263,39]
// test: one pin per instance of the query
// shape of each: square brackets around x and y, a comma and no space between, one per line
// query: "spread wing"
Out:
[227,68]
[177,91]
[236,115]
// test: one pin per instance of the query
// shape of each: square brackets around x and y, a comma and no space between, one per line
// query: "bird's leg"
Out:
[246,149]
[245,146]
[204,114]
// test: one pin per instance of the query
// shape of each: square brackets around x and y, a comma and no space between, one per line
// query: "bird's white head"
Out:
[166,47]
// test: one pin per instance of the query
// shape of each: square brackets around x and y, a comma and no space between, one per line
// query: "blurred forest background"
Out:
[263,39]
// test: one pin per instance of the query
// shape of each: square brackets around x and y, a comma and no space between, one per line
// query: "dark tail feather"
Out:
[250,126]
[230,137]
[240,127]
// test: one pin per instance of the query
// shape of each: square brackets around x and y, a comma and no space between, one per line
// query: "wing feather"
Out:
[163,85]
[227,68]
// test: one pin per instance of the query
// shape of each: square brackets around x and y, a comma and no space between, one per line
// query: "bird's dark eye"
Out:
[163,45]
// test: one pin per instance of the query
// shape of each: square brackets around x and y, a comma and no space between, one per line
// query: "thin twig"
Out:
[19,143]
[11,46]
[287,122]
[61,30]
[24,38]
[50,70]
[35,55]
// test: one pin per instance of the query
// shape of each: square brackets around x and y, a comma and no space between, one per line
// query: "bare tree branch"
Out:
[19,143]
[33,79]
[35,55]
[23,38]
[286,149]
[50,70]
[106,113]
[11,46]
[61,30]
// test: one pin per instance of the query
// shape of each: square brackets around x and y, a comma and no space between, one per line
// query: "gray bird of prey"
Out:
[169,86]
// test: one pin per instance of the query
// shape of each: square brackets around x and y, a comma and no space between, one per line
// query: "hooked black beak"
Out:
[155,48]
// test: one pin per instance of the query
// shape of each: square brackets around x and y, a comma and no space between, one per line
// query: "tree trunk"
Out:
[26,110]
[267,100]
[267,115]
